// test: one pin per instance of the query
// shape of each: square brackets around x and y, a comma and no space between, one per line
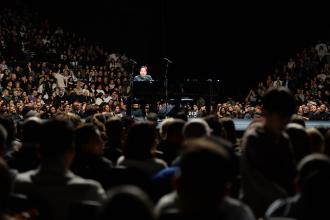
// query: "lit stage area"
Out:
[241,124]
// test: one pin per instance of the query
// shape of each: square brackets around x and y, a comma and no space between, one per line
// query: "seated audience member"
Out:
[313,192]
[196,128]
[27,158]
[12,145]
[53,185]
[229,127]
[125,203]
[139,150]
[152,117]
[216,126]
[163,127]
[74,119]
[202,185]
[5,187]
[3,144]
[327,143]
[3,140]
[298,119]
[172,139]
[89,162]
[267,166]
[316,140]
[137,111]
[299,140]
[85,210]
[114,129]
[162,181]
[181,115]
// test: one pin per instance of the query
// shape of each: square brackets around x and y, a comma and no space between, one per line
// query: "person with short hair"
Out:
[3,140]
[196,128]
[312,194]
[268,167]
[127,202]
[53,185]
[139,150]
[27,157]
[5,187]
[89,161]
[202,182]
[143,76]
[114,129]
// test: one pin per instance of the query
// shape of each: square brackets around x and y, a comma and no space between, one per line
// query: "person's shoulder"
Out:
[160,162]
[237,209]
[137,78]
[282,207]
[77,180]
[104,163]
[23,182]
[232,202]
[93,189]
[166,203]
[25,177]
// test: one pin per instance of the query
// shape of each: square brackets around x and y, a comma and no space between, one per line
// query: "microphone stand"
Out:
[211,94]
[132,85]
[166,86]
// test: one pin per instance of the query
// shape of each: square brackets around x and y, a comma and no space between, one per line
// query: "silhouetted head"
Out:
[229,126]
[196,128]
[89,140]
[181,115]
[204,173]
[31,130]
[5,185]
[316,140]
[126,203]
[174,131]
[56,139]
[141,141]
[73,118]
[327,143]
[299,140]
[310,164]
[216,126]
[9,125]
[278,107]
[163,127]
[152,116]
[114,128]
[3,140]
[314,176]
[298,120]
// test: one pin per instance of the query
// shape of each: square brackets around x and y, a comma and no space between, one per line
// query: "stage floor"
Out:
[241,124]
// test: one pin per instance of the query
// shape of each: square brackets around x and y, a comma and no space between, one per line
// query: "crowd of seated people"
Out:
[68,167]
[68,150]
[307,75]
[52,70]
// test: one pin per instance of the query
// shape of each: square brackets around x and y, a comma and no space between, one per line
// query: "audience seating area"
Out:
[68,149]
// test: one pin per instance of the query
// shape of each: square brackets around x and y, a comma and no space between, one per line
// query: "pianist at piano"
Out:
[143,76]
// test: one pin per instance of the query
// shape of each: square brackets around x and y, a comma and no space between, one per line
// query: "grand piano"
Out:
[155,89]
